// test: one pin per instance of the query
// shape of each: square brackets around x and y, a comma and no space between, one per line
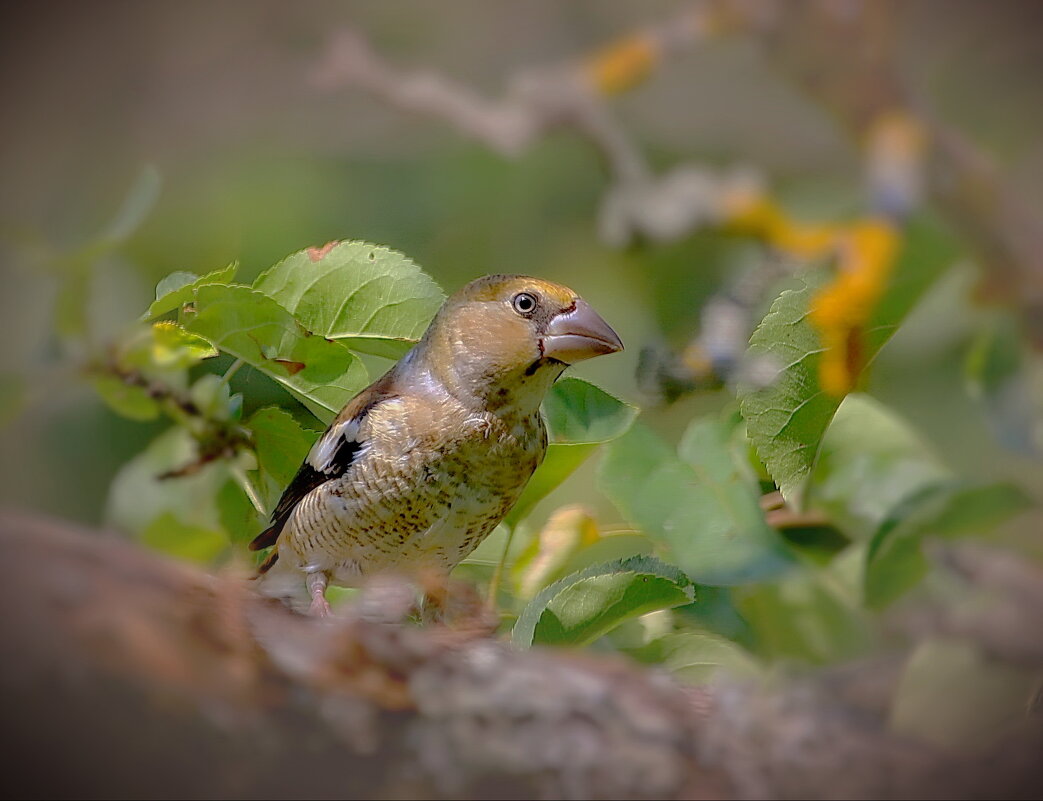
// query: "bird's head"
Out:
[504,339]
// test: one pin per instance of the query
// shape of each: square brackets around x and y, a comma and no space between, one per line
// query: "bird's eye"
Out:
[524,303]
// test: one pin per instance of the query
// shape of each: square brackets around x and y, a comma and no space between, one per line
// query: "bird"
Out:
[419,467]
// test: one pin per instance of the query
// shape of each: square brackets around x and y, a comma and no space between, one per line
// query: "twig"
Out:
[567,96]
[779,515]
[216,438]
[843,53]
[233,368]
[497,577]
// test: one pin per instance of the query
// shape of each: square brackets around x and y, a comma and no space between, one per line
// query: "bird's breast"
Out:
[433,482]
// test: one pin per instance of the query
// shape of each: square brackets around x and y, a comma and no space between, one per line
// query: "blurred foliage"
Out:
[173,398]
[788,417]
[703,487]
[589,603]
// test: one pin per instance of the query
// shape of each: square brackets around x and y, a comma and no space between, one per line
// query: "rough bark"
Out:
[128,675]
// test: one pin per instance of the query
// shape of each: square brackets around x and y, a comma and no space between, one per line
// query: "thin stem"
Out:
[233,368]
[244,481]
[494,583]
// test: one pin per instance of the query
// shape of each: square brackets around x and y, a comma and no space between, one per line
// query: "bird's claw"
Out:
[320,607]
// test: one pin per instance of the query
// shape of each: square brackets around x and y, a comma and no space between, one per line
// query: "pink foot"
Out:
[320,607]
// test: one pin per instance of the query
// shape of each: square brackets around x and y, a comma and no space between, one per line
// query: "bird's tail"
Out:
[268,563]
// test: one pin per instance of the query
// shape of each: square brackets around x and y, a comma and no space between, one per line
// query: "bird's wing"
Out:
[330,457]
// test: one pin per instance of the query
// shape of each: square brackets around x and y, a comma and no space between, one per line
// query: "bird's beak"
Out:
[579,334]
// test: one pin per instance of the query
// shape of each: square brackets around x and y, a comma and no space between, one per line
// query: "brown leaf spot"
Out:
[854,354]
[315,254]
[292,367]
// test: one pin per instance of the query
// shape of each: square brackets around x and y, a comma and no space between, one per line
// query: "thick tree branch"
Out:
[129,675]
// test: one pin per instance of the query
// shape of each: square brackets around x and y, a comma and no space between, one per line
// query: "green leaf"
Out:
[951,695]
[175,281]
[213,397]
[324,375]
[928,249]
[998,380]
[584,606]
[13,395]
[579,417]
[237,515]
[895,562]
[805,616]
[374,299]
[164,347]
[128,400]
[786,420]
[185,541]
[138,494]
[997,354]
[696,657]
[705,509]
[136,206]
[717,612]
[870,460]
[580,413]
[174,347]
[179,288]
[71,304]
[281,442]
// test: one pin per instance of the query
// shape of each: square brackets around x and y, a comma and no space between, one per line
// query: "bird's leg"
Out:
[317,582]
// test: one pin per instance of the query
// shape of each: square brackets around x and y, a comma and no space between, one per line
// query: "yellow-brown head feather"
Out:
[491,338]
[493,288]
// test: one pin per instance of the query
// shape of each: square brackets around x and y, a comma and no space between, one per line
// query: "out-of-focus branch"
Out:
[566,96]
[216,437]
[573,95]
[641,205]
[131,675]
[843,54]
[1002,610]
[535,101]
[1007,233]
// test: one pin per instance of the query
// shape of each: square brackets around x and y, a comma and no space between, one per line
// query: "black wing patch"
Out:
[307,479]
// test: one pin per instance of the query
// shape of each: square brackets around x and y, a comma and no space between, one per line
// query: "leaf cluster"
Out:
[774,532]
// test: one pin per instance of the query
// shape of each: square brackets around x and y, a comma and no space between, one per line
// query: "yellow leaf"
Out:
[623,64]
[567,530]
[759,216]
[841,309]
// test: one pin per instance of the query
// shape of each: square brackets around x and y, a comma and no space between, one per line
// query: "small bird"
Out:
[421,465]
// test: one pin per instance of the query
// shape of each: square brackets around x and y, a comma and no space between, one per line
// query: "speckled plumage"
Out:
[424,463]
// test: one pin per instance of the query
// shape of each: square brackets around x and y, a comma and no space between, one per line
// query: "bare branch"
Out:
[567,96]
[843,53]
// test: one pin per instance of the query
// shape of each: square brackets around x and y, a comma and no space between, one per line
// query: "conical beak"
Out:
[579,334]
